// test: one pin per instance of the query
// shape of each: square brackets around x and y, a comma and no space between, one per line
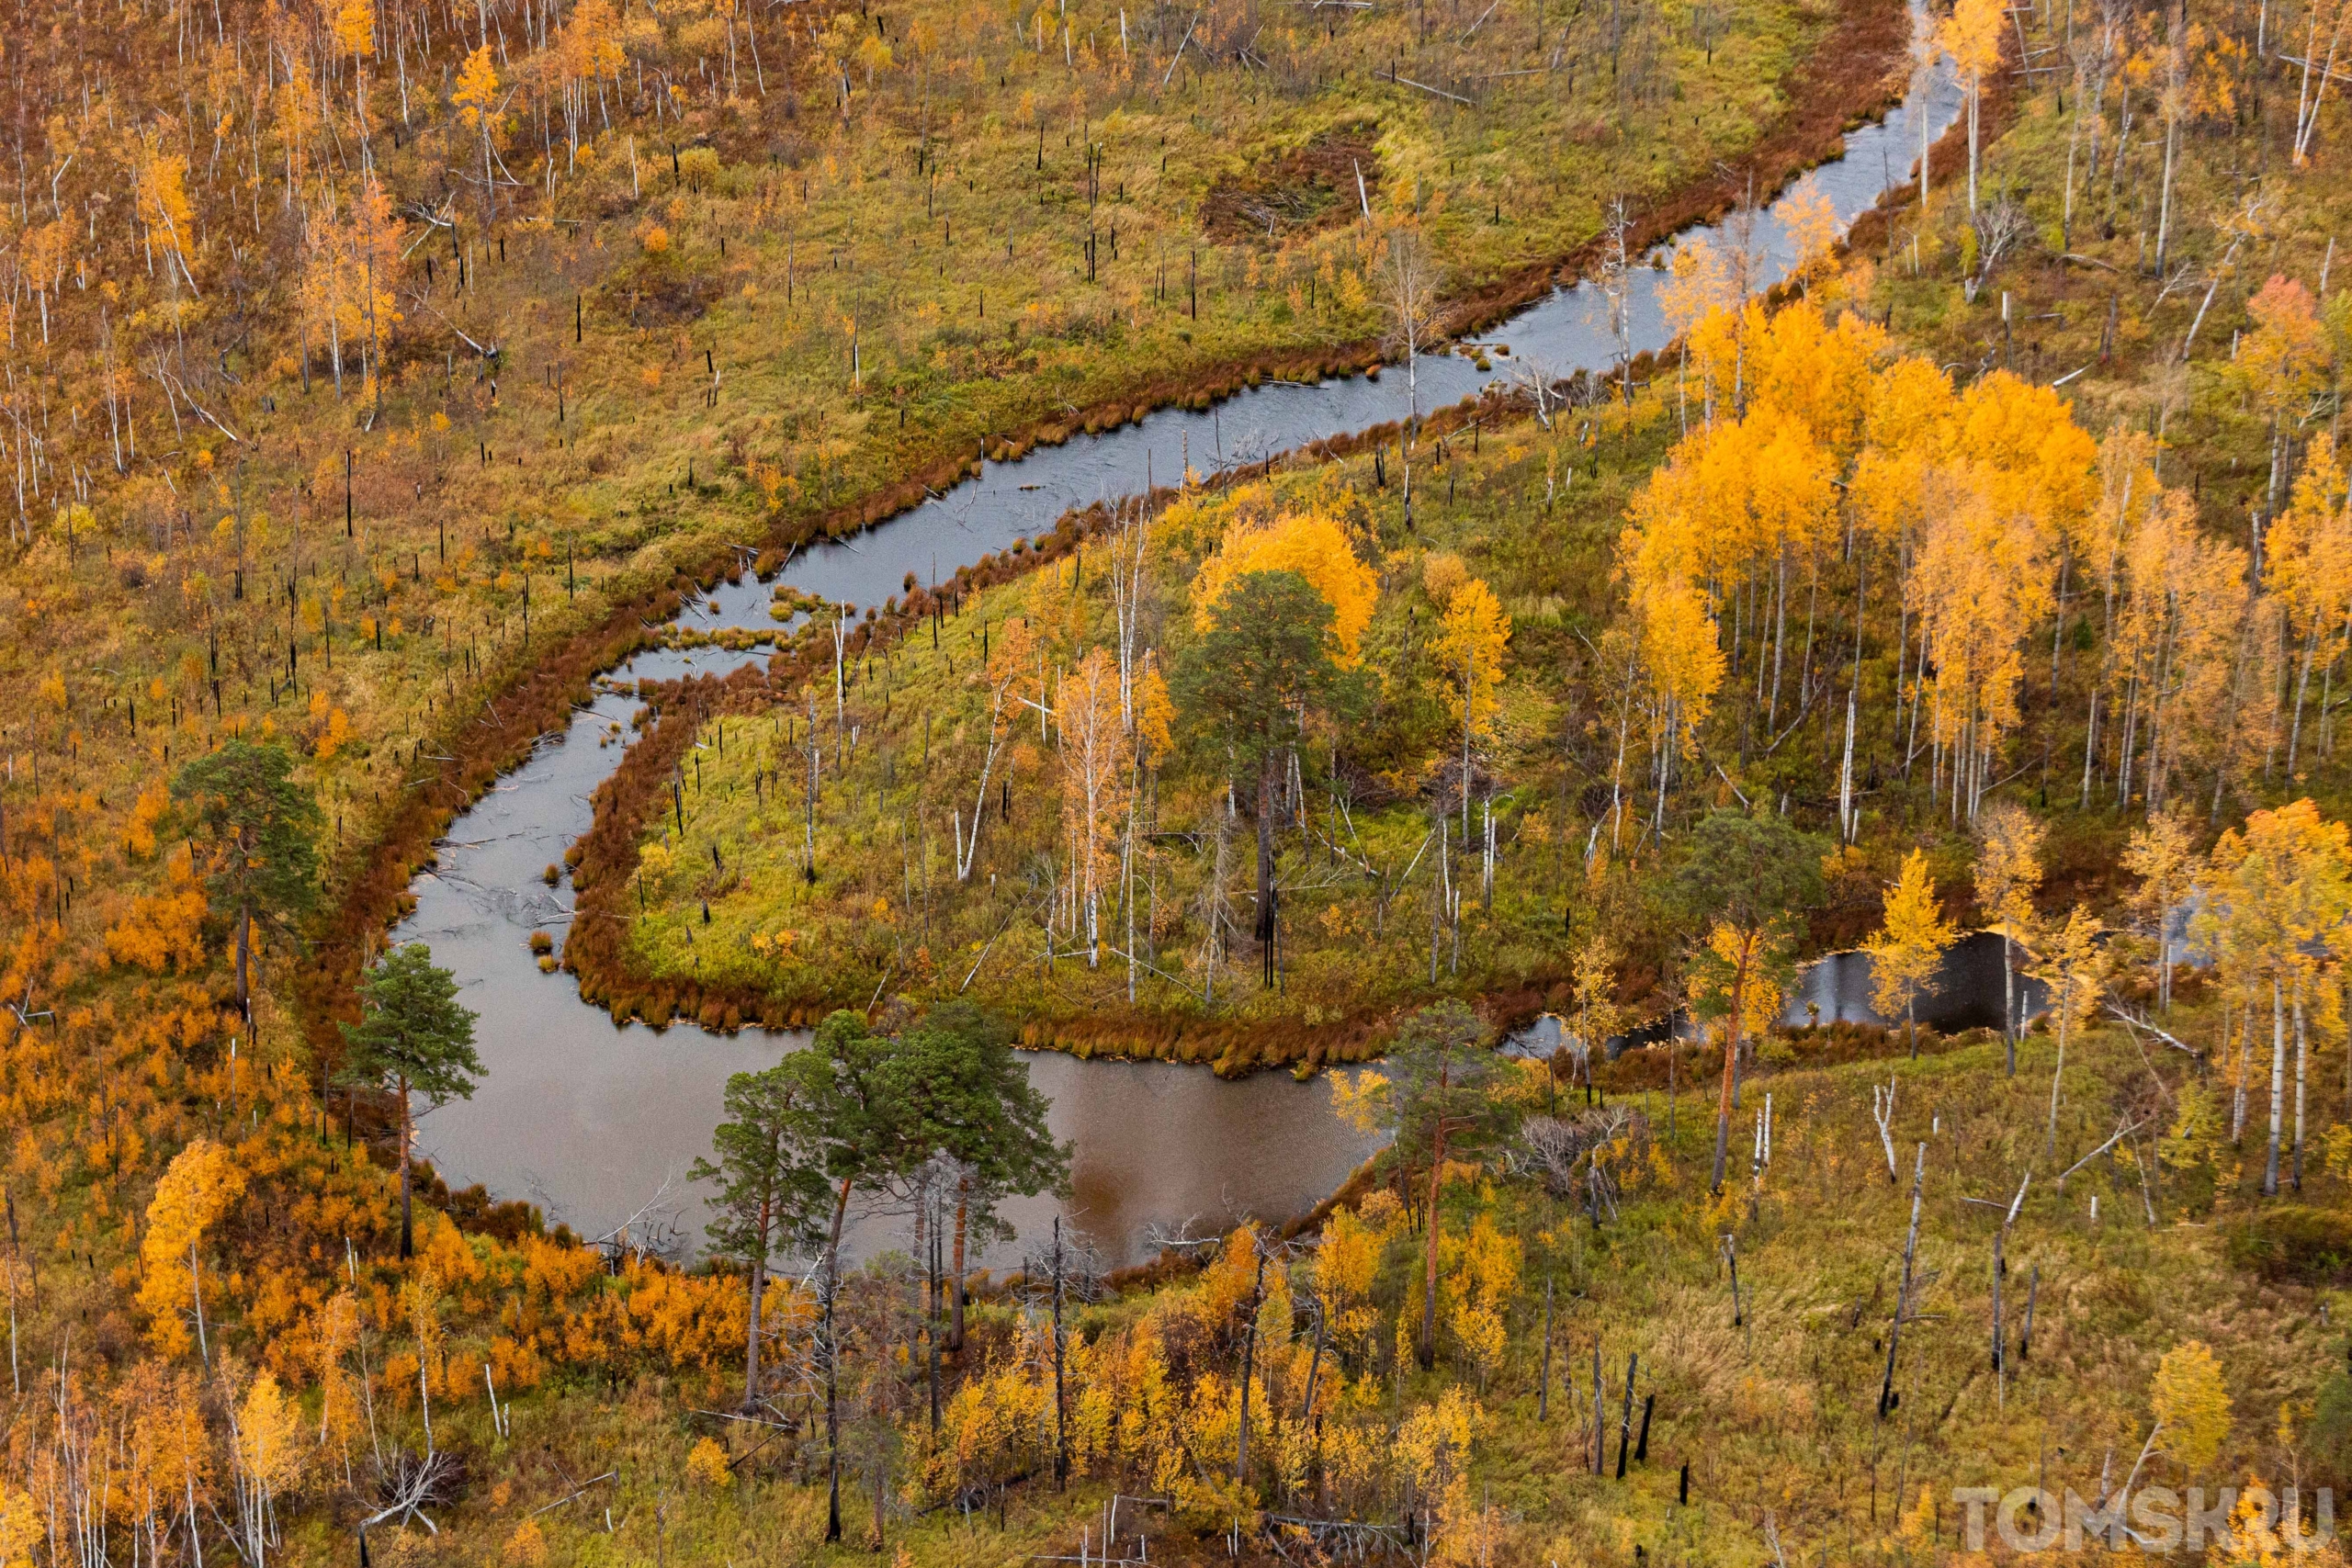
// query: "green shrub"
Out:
[2292,1241]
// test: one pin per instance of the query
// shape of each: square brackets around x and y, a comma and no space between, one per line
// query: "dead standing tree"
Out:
[1616,288]
[2000,1271]
[1410,284]
[1887,1397]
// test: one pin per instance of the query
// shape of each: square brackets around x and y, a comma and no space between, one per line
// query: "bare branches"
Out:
[409,1484]
[1568,1153]
[1536,381]
[652,1231]
[1180,50]
[2136,1022]
[1554,1146]
[1424,86]
[1181,1241]
[573,1495]
[2000,226]
[1882,1113]
[2121,1133]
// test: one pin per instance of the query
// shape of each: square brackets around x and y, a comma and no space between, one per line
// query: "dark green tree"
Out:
[848,1078]
[1752,877]
[258,828]
[771,1194]
[413,1037]
[882,1106]
[1267,662]
[1440,1100]
[966,1096]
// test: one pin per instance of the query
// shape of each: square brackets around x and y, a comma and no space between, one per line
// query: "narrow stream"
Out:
[597,1122]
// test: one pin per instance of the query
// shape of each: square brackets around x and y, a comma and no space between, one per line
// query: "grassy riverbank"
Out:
[770,892]
[1767,1391]
[887,910]
[802,289]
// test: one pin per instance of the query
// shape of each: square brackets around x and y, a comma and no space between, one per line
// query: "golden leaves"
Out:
[589,48]
[1155,709]
[2009,864]
[2279,889]
[1485,1273]
[477,91]
[2069,960]
[162,928]
[199,1186]
[706,1465]
[1910,944]
[1972,36]
[2283,364]
[354,28]
[2193,1405]
[20,1526]
[268,1444]
[1311,544]
[1470,642]
[1811,220]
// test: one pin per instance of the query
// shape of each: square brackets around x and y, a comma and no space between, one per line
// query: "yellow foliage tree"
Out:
[1971,36]
[2192,1402]
[2159,855]
[1593,984]
[1810,220]
[706,1465]
[2176,645]
[2068,962]
[2308,566]
[1485,1273]
[1345,1266]
[163,928]
[1910,944]
[1469,647]
[202,1180]
[267,1450]
[1760,998]
[2008,869]
[1308,543]
[2274,913]
[20,1526]
[477,103]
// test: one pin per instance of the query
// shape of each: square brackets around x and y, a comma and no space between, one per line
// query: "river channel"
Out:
[597,1122]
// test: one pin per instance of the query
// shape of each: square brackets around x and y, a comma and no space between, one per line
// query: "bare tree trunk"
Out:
[2302,1070]
[1886,1395]
[833,1372]
[2277,1086]
[245,960]
[1428,1348]
[408,1137]
[1731,1067]
[1267,924]
[955,1284]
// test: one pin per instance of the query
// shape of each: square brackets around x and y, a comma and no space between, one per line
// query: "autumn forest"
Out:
[1797,829]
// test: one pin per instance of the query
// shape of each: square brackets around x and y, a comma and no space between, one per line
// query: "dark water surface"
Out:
[597,1123]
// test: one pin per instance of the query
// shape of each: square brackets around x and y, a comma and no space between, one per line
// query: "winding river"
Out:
[597,1122]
